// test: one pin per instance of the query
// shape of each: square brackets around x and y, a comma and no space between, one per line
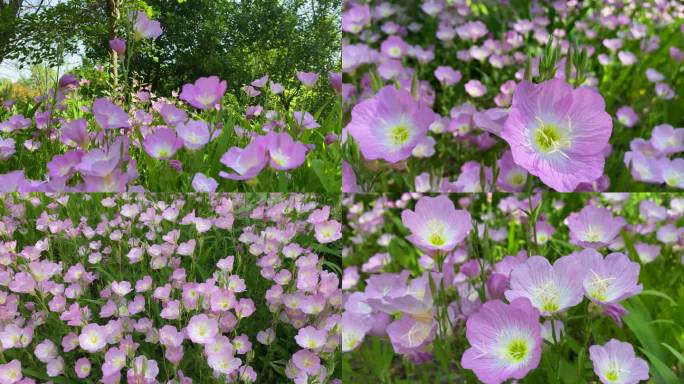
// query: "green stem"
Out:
[587,334]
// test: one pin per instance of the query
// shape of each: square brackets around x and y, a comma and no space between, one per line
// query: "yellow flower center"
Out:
[547,296]
[517,179]
[279,158]
[517,350]
[549,306]
[437,239]
[549,138]
[672,181]
[599,286]
[350,342]
[399,135]
[612,376]
[592,234]
[436,229]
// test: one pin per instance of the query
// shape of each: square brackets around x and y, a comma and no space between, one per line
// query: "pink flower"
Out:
[222,300]
[283,151]
[82,368]
[328,231]
[64,166]
[558,133]
[389,125]
[46,351]
[109,115]
[6,148]
[276,88]
[260,82]
[118,45]
[55,367]
[202,329]
[144,27]
[615,362]
[93,338]
[10,373]
[475,88]
[505,341]
[447,75]
[205,93]
[306,361]
[436,224]
[172,115]
[224,362]
[121,288]
[169,336]
[162,144]
[247,162]
[194,133]
[308,78]
[305,120]
[115,359]
[266,337]
[143,371]
[311,338]
[550,288]
[594,227]
[75,133]
[203,183]
[244,308]
[394,47]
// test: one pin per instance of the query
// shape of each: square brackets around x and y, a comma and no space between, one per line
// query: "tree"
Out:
[237,41]
[9,15]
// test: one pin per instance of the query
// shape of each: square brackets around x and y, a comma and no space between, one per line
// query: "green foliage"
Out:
[237,41]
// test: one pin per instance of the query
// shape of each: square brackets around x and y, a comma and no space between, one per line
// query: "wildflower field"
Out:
[105,128]
[472,96]
[494,288]
[342,191]
[170,288]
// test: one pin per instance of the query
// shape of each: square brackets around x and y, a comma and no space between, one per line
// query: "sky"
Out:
[10,70]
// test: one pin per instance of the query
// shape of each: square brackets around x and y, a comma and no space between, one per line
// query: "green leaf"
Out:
[326,249]
[326,178]
[677,354]
[333,266]
[653,292]
[638,320]
[568,373]
[401,253]
[629,244]
[662,373]
[39,375]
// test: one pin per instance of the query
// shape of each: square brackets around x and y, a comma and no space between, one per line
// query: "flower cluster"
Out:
[169,289]
[452,96]
[508,287]
[205,137]
[650,161]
